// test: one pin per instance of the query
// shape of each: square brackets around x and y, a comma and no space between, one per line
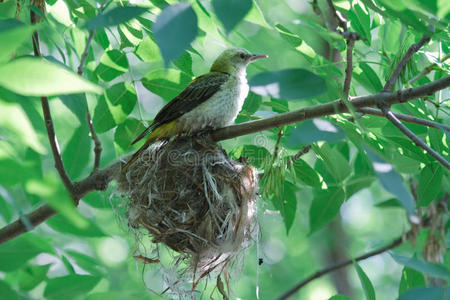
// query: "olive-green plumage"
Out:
[212,100]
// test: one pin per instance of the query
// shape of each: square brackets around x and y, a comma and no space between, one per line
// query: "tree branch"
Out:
[413,49]
[100,179]
[59,165]
[300,153]
[427,70]
[406,118]
[348,68]
[330,108]
[391,117]
[332,268]
[97,181]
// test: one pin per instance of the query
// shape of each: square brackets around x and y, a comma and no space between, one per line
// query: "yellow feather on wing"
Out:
[163,131]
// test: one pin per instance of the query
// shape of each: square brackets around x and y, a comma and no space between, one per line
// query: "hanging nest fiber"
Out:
[190,196]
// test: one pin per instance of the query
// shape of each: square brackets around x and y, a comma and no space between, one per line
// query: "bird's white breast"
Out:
[221,109]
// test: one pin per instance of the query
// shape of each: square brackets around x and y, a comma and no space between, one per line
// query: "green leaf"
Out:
[360,21]
[392,181]
[113,108]
[13,34]
[324,207]
[103,119]
[62,224]
[16,252]
[334,161]
[429,186]
[115,16]
[8,292]
[431,269]
[70,286]
[77,104]
[39,77]
[369,291]
[288,36]
[147,50]
[113,63]
[31,276]
[411,279]
[77,151]
[392,202]
[184,63]
[306,174]
[86,262]
[126,133]
[432,293]
[291,84]
[252,103]
[390,34]
[312,131]
[368,78]
[175,29]
[121,99]
[166,83]
[289,205]
[231,12]
[339,297]
[256,155]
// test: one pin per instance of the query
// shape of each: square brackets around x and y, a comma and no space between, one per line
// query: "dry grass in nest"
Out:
[190,196]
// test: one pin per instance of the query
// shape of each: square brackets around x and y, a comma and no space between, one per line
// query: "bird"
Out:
[210,101]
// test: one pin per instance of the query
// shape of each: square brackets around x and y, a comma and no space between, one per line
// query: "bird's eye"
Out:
[242,55]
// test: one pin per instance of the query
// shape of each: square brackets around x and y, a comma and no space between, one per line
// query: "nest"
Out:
[190,196]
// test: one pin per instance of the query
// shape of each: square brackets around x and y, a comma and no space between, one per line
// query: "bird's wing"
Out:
[197,92]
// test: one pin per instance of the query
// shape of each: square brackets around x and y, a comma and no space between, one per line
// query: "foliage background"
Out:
[330,205]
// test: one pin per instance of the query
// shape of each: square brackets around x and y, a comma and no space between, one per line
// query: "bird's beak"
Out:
[255,56]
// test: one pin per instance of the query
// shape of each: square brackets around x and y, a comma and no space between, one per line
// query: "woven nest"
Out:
[190,196]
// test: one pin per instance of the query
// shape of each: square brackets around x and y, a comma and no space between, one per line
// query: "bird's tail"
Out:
[137,154]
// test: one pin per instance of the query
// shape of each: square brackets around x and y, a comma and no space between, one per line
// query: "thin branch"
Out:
[427,70]
[85,52]
[339,18]
[349,68]
[300,153]
[391,117]
[59,165]
[332,268]
[97,143]
[330,108]
[99,180]
[406,118]
[413,49]
[277,144]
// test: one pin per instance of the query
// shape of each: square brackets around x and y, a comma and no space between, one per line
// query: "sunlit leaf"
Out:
[113,63]
[31,276]
[293,84]
[166,83]
[411,279]
[369,291]
[77,151]
[429,186]
[175,29]
[13,33]
[39,77]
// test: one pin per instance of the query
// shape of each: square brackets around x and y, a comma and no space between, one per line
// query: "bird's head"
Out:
[234,61]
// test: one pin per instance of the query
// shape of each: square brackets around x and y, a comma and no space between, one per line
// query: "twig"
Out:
[413,49]
[85,52]
[300,153]
[349,68]
[97,143]
[427,70]
[406,118]
[340,19]
[391,117]
[277,144]
[330,108]
[320,273]
[59,165]
[100,179]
